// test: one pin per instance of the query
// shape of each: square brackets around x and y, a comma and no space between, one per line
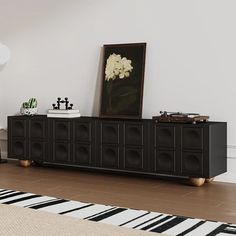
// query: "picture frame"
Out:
[123,80]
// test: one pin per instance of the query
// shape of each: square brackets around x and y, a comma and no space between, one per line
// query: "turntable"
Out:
[179,117]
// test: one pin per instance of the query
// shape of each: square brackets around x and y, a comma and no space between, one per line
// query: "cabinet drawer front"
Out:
[83,131]
[165,137]
[37,150]
[82,154]
[110,132]
[165,162]
[134,134]
[192,138]
[18,149]
[61,152]
[110,156]
[134,159]
[192,164]
[61,130]
[37,129]
[18,127]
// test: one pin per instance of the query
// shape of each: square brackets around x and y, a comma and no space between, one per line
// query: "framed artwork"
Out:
[122,81]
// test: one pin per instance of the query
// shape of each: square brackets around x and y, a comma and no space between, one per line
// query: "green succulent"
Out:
[32,103]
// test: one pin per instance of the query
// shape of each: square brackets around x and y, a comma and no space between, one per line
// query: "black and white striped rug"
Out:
[124,217]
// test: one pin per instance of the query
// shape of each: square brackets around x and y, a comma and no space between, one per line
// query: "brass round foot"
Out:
[197,181]
[209,180]
[25,163]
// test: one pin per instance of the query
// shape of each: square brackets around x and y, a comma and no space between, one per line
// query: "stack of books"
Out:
[63,113]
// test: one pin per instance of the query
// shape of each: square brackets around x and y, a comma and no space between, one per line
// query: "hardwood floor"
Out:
[214,201]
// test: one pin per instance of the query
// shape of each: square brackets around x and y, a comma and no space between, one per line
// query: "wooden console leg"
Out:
[197,181]
[25,163]
[209,180]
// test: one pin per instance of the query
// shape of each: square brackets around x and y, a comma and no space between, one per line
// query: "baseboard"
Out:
[3,135]
[4,155]
[231,152]
[230,175]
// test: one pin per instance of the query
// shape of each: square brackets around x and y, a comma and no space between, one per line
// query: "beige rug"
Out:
[17,221]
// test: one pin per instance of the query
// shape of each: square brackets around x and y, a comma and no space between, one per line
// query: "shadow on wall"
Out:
[98,87]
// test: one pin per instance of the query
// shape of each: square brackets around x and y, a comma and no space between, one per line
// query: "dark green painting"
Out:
[122,85]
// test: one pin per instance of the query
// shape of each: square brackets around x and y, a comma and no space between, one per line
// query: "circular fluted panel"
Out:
[164,135]
[110,134]
[110,158]
[37,130]
[37,150]
[192,138]
[164,161]
[62,131]
[18,148]
[83,132]
[192,163]
[110,153]
[192,134]
[110,130]
[134,135]
[134,131]
[133,158]
[18,128]
[82,154]
[61,152]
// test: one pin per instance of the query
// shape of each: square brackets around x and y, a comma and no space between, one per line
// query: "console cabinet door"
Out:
[38,145]
[17,137]
[165,149]
[60,138]
[136,138]
[110,140]
[194,159]
[84,142]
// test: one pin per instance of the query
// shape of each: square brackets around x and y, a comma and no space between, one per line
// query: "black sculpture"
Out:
[68,105]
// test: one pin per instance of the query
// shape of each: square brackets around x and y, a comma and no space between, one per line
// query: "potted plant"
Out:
[29,108]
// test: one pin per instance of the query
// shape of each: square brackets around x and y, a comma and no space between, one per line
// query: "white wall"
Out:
[56,46]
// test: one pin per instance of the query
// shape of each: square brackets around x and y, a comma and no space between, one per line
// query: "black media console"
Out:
[198,151]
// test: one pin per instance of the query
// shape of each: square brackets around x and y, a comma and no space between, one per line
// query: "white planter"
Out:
[28,111]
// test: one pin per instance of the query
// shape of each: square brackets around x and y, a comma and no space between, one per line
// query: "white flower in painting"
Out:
[117,67]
